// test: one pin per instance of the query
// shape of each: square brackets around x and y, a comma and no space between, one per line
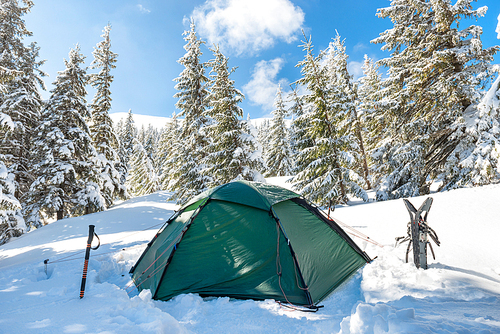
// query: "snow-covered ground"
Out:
[459,293]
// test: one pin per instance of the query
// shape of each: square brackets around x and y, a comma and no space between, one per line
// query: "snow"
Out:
[141,120]
[460,292]
[159,121]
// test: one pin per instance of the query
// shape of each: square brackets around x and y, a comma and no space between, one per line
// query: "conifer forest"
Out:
[426,116]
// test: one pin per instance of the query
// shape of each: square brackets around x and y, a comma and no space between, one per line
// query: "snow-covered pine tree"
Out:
[371,114]
[127,136]
[434,71]
[325,176]
[232,153]
[20,100]
[67,168]
[126,132]
[142,178]
[187,179]
[101,126]
[118,127]
[263,135]
[20,105]
[253,130]
[476,159]
[121,166]
[141,135]
[11,219]
[299,140]
[151,139]
[167,147]
[345,97]
[279,155]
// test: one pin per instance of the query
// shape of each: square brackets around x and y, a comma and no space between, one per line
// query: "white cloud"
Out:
[355,69]
[248,26]
[359,47]
[261,89]
[143,9]
[498,27]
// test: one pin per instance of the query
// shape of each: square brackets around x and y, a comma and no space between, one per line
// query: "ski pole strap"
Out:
[98,240]
[87,256]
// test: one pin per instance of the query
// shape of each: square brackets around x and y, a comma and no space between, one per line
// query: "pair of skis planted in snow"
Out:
[419,233]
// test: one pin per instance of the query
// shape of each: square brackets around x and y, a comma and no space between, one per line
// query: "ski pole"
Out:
[87,256]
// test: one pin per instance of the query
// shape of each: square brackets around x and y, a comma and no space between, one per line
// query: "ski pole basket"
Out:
[418,233]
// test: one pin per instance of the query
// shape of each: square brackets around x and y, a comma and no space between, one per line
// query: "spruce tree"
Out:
[11,218]
[325,167]
[67,168]
[151,139]
[263,133]
[476,159]
[101,128]
[121,165]
[372,117]
[232,153]
[299,140]
[167,150]
[345,97]
[187,179]
[278,157]
[20,105]
[142,178]
[434,71]
[127,137]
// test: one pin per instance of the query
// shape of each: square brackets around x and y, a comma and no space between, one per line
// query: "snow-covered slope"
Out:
[460,292]
[141,120]
[160,121]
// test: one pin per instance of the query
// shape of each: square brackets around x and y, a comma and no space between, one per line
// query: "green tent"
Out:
[248,240]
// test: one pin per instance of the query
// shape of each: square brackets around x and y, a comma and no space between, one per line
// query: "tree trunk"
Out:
[366,172]
[60,214]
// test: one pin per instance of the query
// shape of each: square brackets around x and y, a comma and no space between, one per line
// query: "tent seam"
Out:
[191,220]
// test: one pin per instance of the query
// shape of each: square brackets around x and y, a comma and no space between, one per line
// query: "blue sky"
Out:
[260,37]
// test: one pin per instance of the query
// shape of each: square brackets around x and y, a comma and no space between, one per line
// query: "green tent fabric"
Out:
[248,240]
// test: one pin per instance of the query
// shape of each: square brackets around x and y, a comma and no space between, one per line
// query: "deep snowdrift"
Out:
[460,292]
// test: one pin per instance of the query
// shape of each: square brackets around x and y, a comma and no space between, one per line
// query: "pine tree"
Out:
[126,132]
[103,135]
[299,140]
[187,180]
[476,159]
[278,157]
[151,139]
[142,178]
[232,152]
[167,148]
[263,133]
[434,71]
[121,165]
[11,219]
[67,168]
[372,116]
[325,167]
[20,105]
[346,98]
[127,138]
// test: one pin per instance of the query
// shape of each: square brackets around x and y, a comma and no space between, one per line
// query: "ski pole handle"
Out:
[86,263]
